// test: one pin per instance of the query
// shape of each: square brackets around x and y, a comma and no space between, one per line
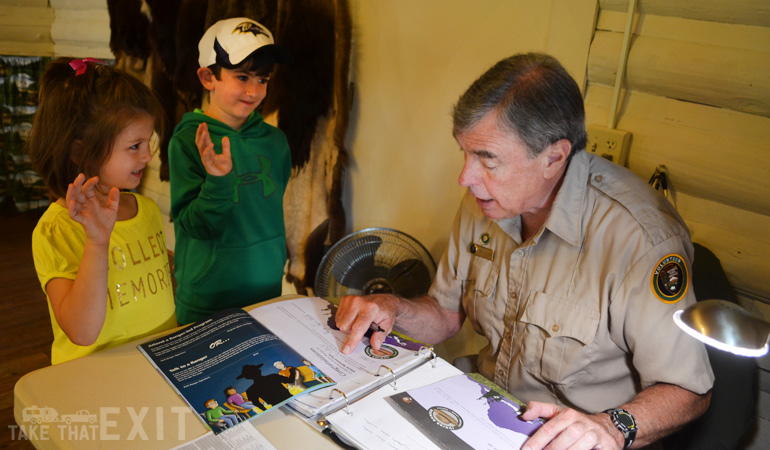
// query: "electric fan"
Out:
[375,261]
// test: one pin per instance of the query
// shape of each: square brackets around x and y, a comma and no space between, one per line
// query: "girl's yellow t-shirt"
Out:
[140,297]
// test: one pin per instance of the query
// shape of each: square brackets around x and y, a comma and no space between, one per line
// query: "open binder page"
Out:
[466,411]
[307,324]
[373,423]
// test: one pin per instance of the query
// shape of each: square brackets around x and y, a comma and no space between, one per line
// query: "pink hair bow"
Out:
[79,65]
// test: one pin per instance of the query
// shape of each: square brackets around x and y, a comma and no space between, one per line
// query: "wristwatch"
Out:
[625,422]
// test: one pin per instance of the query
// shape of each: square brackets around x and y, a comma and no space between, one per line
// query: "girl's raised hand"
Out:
[86,208]
[217,165]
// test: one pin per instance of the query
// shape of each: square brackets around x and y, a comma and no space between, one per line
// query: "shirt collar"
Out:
[566,216]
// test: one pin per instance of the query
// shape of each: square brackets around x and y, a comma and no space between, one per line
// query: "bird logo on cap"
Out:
[250,27]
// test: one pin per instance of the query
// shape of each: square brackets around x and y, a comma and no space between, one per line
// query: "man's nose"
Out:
[467,177]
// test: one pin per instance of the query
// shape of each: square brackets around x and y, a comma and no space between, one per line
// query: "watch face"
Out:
[625,419]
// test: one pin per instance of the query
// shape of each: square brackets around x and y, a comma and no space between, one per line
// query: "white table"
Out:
[129,405]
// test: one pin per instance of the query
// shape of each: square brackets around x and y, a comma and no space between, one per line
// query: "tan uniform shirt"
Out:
[580,314]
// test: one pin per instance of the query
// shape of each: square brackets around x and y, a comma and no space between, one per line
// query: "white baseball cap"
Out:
[230,41]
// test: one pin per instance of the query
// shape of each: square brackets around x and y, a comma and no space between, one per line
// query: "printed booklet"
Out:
[235,365]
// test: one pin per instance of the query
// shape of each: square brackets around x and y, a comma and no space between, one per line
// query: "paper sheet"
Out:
[375,424]
[307,325]
[245,437]
[467,412]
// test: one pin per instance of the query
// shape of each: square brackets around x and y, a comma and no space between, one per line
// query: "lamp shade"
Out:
[726,326]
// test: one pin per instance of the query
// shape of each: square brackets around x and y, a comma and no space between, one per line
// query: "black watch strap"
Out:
[624,422]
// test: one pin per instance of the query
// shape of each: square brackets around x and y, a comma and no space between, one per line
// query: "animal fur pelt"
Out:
[315,217]
[162,32]
[128,28]
[263,11]
[303,90]
[191,25]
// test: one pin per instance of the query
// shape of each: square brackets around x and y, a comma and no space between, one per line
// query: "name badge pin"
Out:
[484,252]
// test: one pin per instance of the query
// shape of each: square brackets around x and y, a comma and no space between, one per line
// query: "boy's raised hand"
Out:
[217,165]
[86,208]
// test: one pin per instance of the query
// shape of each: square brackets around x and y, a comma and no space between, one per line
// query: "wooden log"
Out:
[24,3]
[712,153]
[689,30]
[83,51]
[78,4]
[25,29]
[737,237]
[26,34]
[737,79]
[14,48]
[25,15]
[747,12]
[89,28]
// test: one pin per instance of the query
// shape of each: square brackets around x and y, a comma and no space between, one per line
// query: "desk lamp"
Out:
[726,326]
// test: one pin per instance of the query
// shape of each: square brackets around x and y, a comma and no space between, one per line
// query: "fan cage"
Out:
[386,248]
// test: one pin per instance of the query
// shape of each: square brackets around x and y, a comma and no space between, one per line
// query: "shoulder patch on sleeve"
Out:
[670,279]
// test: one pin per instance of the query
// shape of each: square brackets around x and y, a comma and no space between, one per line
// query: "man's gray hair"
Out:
[535,98]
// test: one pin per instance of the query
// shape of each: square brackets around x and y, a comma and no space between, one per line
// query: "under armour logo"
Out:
[249,27]
[268,184]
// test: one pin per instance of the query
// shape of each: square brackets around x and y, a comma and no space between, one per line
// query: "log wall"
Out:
[696,97]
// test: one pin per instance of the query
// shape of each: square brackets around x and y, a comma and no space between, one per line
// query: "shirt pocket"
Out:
[557,337]
[478,293]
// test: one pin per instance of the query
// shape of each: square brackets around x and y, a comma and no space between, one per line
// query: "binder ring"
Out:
[428,350]
[345,397]
[391,373]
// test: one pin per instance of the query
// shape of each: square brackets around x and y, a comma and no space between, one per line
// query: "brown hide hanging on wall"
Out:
[308,100]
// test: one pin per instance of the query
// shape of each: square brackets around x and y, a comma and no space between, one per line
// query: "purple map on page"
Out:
[466,412]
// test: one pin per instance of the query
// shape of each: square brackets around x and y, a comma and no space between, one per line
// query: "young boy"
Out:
[217,414]
[228,220]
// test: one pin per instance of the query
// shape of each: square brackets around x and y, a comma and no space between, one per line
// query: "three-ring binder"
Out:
[429,350]
[391,374]
[345,397]
[425,352]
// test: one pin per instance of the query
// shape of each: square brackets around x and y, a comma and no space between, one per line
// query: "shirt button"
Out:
[507,335]
[598,178]
[500,373]
[519,252]
[555,328]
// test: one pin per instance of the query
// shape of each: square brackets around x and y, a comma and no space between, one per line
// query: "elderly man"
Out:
[570,265]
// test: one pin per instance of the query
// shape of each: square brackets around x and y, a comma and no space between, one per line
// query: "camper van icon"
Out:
[35,415]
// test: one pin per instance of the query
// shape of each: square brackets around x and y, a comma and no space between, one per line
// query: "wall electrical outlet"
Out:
[608,143]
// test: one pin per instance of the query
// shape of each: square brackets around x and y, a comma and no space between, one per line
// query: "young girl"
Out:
[100,254]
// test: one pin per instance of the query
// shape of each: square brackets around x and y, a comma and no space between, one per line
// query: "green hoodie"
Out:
[230,238]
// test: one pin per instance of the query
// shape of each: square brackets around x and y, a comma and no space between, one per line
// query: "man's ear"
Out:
[207,77]
[556,156]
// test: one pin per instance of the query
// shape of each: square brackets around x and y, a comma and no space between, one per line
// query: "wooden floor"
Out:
[25,328]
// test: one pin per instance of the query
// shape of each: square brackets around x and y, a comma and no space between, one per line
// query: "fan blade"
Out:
[354,268]
[362,273]
[410,278]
